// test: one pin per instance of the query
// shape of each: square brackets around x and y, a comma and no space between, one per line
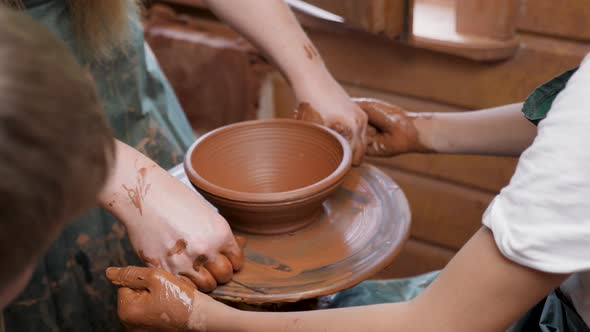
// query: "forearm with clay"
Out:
[168,224]
[272,27]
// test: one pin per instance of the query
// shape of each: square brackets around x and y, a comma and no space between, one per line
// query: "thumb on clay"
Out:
[134,277]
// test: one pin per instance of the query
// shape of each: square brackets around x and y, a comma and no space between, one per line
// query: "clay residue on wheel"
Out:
[362,228]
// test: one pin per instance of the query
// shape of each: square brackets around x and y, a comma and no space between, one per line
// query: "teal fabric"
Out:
[379,291]
[69,291]
[539,102]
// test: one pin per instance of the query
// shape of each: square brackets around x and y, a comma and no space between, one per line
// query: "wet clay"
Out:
[360,230]
[268,176]
[199,262]
[137,193]
[391,129]
[178,248]
[153,298]
[306,112]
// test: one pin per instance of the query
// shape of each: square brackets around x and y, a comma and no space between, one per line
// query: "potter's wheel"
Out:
[362,228]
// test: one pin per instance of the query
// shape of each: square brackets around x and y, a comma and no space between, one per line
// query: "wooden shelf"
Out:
[434,28]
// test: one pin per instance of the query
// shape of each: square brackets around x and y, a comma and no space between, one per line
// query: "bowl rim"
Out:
[284,196]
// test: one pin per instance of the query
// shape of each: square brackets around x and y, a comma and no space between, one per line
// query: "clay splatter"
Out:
[179,247]
[119,230]
[82,239]
[200,261]
[138,193]
[150,140]
[306,112]
[310,51]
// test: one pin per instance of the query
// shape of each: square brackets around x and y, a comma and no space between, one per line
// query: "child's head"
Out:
[55,145]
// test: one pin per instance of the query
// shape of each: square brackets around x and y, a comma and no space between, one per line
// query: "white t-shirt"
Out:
[542,218]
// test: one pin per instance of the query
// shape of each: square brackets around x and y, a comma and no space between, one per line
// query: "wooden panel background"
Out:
[448,194]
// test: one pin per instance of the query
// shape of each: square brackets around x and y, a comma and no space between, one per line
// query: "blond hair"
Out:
[101,27]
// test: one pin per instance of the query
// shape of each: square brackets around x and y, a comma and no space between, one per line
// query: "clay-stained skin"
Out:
[306,112]
[152,298]
[392,130]
[147,260]
[139,191]
[310,51]
[178,248]
[199,262]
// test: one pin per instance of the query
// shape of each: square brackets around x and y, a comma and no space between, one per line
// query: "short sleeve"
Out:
[542,218]
[539,102]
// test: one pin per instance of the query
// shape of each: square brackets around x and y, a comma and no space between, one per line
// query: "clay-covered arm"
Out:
[479,290]
[168,224]
[501,131]
[272,27]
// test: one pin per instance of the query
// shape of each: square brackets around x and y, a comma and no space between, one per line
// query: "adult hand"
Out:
[187,239]
[153,299]
[392,130]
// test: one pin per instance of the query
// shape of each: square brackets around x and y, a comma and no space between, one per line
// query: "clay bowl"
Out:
[268,176]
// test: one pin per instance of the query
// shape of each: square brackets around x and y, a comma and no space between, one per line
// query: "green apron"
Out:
[555,313]
[68,291]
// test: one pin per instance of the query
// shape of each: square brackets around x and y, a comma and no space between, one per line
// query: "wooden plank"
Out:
[384,17]
[406,102]
[438,26]
[443,78]
[489,19]
[416,258]
[563,18]
[443,213]
[481,172]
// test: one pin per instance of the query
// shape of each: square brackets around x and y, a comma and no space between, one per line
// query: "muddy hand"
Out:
[153,299]
[182,234]
[202,250]
[349,121]
[392,130]
[169,225]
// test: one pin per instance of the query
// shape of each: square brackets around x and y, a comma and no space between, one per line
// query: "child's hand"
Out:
[169,225]
[392,130]
[153,299]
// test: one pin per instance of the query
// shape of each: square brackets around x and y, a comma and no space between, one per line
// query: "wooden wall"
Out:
[448,194]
